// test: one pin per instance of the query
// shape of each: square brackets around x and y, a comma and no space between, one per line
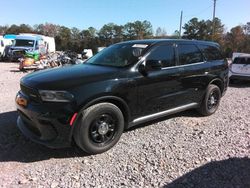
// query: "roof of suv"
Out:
[157,41]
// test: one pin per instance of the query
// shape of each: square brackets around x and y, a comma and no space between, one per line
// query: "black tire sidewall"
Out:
[210,89]
[82,132]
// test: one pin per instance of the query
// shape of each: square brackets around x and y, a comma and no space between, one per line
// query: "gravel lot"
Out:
[184,150]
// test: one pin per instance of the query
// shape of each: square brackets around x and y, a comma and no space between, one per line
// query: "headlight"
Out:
[56,96]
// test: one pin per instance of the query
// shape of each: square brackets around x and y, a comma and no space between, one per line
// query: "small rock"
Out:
[23,180]
[54,184]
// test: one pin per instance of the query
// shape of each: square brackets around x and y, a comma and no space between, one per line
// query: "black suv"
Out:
[124,85]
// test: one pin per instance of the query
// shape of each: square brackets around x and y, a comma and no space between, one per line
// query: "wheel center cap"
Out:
[212,100]
[103,129]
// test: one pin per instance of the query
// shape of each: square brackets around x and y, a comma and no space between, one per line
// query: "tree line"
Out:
[74,39]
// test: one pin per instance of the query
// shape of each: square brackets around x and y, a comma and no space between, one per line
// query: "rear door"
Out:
[241,65]
[193,72]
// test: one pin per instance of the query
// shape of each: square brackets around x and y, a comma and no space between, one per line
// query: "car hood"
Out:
[68,76]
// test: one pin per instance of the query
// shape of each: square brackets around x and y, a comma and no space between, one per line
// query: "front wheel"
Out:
[99,128]
[211,100]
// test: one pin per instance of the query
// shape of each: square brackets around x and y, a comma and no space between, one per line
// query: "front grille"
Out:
[31,93]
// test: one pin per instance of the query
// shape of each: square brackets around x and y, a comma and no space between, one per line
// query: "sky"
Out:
[83,14]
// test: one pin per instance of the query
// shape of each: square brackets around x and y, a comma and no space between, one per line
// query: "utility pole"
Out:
[214,19]
[180,24]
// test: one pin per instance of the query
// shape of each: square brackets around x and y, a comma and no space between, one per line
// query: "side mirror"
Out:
[142,69]
[153,65]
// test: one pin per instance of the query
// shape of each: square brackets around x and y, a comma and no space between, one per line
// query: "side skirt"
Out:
[163,113]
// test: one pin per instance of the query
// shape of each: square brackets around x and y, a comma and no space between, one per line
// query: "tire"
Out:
[99,128]
[209,105]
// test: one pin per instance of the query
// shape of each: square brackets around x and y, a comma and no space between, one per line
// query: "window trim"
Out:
[180,66]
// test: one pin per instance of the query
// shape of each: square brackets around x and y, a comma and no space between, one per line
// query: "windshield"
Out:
[119,55]
[24,43]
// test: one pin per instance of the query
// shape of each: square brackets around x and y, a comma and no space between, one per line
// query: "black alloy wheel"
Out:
[99,128]
[210,101]
[103,128]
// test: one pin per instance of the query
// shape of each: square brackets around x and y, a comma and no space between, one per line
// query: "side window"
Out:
[164,55]
[188,54]
[211,52]
[2,44]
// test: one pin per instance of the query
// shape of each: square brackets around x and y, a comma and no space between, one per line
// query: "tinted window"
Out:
[188,54]
[163,54]
[242,60]
[2,44]
[211,53]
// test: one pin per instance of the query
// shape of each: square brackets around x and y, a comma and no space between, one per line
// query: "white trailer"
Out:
[3,44]
[48,42]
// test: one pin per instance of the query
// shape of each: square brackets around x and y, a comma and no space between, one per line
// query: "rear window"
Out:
[242,60]
[211,53]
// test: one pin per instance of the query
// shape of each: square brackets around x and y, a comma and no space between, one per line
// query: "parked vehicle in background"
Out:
[240,68]
[122,86]
[4,46]
[30,43]
[100,49]
[87,53]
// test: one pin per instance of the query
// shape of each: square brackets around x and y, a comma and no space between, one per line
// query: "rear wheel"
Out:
[100,128]
[211,100]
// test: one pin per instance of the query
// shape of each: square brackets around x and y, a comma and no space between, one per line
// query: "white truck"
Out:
[26,42]
[4,43]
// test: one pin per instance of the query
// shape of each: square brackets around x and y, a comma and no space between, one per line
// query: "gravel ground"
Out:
[184,150]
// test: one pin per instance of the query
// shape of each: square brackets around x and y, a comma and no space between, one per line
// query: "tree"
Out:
[110,34]
[3,29]
[138,30]
[234,40]
[160,32]
[47,29]
[15,29]
[63,39]
[202,30]
[246,28]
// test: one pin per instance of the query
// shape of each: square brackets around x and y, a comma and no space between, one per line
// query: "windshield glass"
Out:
[119,55]
[26,43]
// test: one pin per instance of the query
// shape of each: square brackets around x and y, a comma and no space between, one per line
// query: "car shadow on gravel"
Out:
[15,147]
[233,172]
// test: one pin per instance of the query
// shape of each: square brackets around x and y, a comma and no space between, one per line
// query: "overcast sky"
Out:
[83,14]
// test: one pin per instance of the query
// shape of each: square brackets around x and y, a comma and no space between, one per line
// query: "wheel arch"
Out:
[119,102]
[218,82]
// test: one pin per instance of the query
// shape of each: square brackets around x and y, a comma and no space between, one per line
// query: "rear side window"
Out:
[211,53]
[2,44]
[242,60]
[163,54]
[188,54]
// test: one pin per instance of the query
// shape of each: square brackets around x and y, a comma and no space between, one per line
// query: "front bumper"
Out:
[239,77]
[46,124]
